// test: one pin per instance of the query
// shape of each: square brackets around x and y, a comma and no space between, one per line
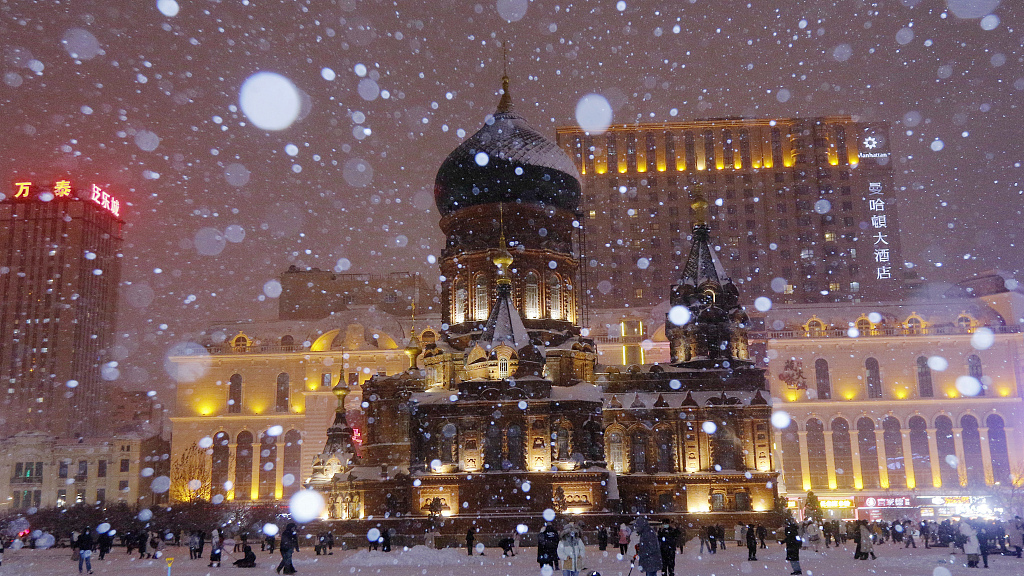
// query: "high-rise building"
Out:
[804,209]
[59,273]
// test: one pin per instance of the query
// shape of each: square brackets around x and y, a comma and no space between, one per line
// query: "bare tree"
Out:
[1009,494]
[190,476]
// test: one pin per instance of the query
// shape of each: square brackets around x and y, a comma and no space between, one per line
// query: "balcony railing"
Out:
[27,480]
[253,349]
[932,331]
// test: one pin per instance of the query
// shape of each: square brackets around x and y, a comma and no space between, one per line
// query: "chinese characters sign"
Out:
[880,234]
[885,502]
[62,189]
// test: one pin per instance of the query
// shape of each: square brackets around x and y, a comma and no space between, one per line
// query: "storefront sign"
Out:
[884,502]
[837,503]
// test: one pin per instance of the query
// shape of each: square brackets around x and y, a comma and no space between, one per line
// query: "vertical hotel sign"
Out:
[873,151]
[62,189]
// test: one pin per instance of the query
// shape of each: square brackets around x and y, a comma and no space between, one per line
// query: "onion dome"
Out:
[506,161]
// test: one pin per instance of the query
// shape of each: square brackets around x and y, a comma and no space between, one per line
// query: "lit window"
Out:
[833,286]
[854,286]
[830,236]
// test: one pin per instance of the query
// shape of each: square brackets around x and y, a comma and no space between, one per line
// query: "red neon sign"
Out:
[62,189]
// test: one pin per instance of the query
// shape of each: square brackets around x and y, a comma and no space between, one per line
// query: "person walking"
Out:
[215,550]
[762,533]
[867,546]
[602,538]
[193,545]
[668,536]
[570,551]
[84,543]
[751,543]
[793,545]
[470,538]
[648,550]
[289,545]
[908,534]
[624,533]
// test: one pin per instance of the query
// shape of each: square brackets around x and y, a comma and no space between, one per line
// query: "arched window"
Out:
[562,442]
[919,452]
[531,296]
[815,328]
[864,327]
[219,468]
[893,440]
[460,302]
[822,378]
[492,448]
[638,452]
[964,323]
[868,452]
[282,392]
[503,367]
[554,297]
[873,378]
[235,394]
[816,454]
[914,325]
[240,342]
[516,448]
[974,370]
[448,447]
[666,455]
[947,452]
[243,466]
[292,471]
[791,463]
[268,465]
[972,451]
[924,378]
[615,452]
[482,297]
[843,452]
[998,449]
[287,342]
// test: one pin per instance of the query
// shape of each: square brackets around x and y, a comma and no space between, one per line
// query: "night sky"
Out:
[143,97]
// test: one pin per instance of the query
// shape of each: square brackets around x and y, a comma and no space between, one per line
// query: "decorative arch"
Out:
[563,440]
[615,447]
[873,378]
[915,324]
[638,439]
[791,463]
[966,323]
[460,300]
[324,342]
[240,342]
[665,454]
[919,452]
[815,327]
[287,342]
[283,389]
[864,325]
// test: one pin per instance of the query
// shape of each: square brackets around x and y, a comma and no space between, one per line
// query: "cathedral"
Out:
[505,409]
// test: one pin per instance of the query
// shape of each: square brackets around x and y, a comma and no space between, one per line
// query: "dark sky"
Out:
[148,104]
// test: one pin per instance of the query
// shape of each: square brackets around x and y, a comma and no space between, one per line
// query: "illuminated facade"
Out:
[59,273]
[918,401]
[804,208]
[255,390]
[509,413]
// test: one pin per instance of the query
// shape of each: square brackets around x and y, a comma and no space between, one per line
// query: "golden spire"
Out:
[503,259]
[699,206]
[505,104]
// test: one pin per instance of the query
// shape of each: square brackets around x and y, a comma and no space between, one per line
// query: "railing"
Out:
[934,331]
[619,339]
[256,349]
[27,480]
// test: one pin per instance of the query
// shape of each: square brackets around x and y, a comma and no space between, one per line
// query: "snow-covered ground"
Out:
[420,561]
